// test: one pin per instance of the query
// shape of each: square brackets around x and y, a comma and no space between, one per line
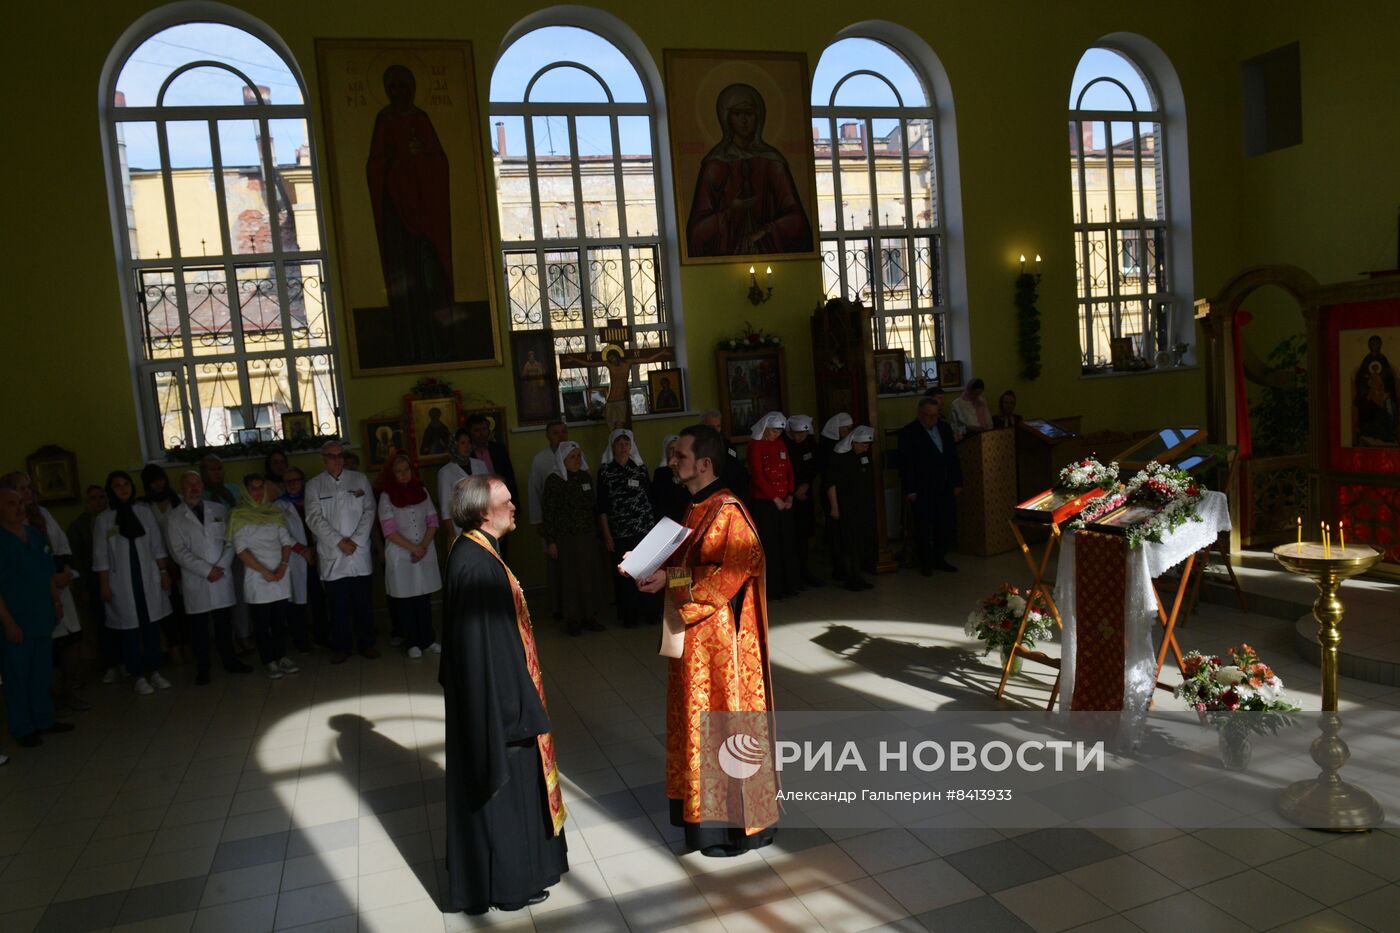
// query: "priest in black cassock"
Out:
[505,811]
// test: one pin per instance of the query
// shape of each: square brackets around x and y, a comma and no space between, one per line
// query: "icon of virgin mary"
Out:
[746,201]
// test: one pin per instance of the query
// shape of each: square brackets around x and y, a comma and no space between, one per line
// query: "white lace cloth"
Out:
[1145,563]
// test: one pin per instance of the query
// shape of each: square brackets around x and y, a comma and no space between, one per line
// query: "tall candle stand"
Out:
[1328,802]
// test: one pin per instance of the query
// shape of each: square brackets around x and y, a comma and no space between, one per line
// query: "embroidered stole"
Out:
[557,812]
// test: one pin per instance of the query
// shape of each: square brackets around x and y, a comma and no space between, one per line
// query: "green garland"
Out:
[1028,325]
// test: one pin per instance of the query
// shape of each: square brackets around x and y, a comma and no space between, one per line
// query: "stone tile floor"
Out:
[316,802]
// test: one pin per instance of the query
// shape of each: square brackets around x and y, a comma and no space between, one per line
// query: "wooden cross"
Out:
[619,363]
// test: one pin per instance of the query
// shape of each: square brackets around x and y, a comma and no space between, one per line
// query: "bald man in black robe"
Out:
[505,810]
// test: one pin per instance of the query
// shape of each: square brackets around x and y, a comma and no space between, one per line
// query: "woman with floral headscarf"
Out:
[624,518]
[570,533]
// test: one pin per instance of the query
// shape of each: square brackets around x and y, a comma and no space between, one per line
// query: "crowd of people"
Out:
[183,572]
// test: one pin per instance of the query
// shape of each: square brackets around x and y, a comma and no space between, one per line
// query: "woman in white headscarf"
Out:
[569,529]
[624,518]
[668,496]
[836,427]
[802,451]
[850,493]
[771,492]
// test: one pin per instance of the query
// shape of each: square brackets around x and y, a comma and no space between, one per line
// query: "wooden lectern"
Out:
[988,461]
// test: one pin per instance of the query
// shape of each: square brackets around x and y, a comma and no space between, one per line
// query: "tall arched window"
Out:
[574,129]
[214,193]
[1125,247]
[880,211]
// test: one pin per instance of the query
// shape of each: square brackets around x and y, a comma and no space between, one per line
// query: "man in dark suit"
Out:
[932,477]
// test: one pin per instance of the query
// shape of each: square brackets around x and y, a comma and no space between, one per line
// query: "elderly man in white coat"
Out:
[196,531]
[340,510]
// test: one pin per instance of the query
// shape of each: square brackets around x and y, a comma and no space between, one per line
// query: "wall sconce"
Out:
[757,296]
[1037,265]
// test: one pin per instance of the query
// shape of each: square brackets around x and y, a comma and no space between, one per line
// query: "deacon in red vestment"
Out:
[505,811]
[714,582]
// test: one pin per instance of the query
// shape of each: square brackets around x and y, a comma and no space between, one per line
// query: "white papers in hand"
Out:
[648,556]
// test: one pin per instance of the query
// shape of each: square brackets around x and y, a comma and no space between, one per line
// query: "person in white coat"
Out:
[556,432]
[459,466]
[411,575]
[340,509]
[68,633]
[258,530]
[197,532]
[130,560]
[305,587]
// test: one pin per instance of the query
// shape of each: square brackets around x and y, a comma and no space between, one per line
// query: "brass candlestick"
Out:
[1328,802]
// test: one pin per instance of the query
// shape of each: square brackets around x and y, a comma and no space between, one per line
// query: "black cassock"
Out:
[500,844]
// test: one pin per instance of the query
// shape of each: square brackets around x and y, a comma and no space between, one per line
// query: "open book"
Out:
[648,556]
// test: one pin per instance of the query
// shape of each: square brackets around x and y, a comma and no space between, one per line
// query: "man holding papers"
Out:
[714,589]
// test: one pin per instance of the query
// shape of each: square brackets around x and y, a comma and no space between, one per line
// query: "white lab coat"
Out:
[59,546]
[402,577]
[111,552]
[540,468]
[297,568]
[449,475]
[198,546]
[336,508]
[265,543]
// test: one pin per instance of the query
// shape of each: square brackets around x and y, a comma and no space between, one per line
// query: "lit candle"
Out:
[1326,541]
[769,272]
[1342,530]
[753,276]
[1300,534]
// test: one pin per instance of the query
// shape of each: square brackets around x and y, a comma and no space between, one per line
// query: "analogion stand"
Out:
[1038,589]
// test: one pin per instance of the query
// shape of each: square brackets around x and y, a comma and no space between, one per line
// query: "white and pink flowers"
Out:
[1084,475]
[997,617]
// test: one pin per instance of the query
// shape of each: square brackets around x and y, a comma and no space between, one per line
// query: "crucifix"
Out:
[619,363]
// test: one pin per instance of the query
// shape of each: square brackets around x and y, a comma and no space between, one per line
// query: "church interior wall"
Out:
[1326,205]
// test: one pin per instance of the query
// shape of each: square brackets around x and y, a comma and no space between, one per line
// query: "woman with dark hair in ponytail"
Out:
[155,486]
[133,572]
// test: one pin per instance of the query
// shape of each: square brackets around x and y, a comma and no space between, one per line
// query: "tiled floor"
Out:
[316,802]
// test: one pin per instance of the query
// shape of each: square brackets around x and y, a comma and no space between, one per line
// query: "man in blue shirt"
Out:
[29,610]
[932,477]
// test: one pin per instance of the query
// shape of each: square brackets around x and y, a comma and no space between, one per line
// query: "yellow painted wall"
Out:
[1328,205]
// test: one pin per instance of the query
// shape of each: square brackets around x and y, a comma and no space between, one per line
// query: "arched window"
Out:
[214,193]
[880,209]
[1128,243]
[574,131]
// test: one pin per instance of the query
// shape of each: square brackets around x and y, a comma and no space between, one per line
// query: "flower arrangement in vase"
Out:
[996,618]
[1237,694]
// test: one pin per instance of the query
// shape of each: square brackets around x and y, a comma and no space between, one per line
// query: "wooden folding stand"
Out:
[1168,621]
[1038,588]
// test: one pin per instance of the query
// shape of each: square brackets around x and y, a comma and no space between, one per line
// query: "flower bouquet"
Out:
[996,618]
[1218,688]
[1155,503]
[1079,483]
[1087,475]
[751,339]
